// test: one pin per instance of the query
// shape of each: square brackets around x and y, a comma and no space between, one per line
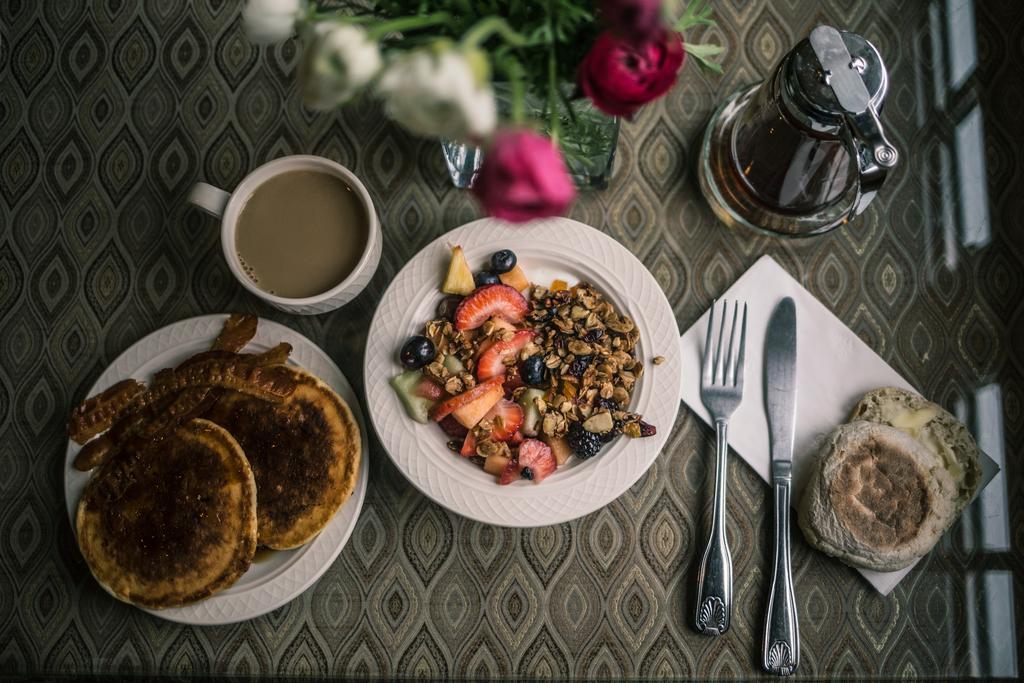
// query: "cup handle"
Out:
[210,199]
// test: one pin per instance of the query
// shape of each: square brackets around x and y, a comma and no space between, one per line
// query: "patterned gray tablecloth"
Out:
[109,110]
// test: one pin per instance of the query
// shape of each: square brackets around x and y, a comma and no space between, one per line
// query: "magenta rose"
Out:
[619,76]
[633,19]
[523,177]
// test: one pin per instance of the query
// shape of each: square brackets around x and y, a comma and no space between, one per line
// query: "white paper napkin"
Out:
[834,369]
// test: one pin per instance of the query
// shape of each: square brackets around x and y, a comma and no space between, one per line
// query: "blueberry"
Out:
[526,473]
[446,309]
[486,277]
[503,261]
[417,352]
[533,371]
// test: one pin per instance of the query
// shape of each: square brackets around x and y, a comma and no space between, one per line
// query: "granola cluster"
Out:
[589,351]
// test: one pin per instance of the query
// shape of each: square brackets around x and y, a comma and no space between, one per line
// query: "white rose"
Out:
[339,62]
[271,21]
[438,93]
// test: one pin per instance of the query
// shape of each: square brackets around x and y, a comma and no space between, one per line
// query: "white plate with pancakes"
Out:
[557,248]
[275,577]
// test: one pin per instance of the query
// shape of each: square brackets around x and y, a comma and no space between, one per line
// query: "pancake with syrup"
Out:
[304,453]
[167,523]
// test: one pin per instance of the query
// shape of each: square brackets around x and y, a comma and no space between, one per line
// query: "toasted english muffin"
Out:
[934,427]
[172,522]
[304,454]
[877,498]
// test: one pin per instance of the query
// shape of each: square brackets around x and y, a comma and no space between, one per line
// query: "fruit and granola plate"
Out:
[522,375]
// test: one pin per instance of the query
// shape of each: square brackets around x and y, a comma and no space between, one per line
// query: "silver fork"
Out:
[721,389]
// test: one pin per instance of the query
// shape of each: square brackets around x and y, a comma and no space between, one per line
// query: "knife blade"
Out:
[781,648]
[780,380]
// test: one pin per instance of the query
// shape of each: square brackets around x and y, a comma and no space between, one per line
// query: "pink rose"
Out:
[620,76]
[523,177]
[633,19]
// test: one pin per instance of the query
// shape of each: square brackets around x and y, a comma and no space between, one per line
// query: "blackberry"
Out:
[583,443]
[526,473]
[580,365]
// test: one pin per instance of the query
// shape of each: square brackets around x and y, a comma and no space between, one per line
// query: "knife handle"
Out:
[782,630]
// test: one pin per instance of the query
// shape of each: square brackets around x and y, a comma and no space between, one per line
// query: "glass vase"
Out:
[587,137]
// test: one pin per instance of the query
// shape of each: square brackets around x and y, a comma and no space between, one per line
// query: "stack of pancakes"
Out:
[222,454]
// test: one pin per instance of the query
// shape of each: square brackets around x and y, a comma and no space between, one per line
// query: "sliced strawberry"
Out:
[513,380]
[482,347]
[538,457]
[452,427]
[535,457]
[489,301]
[516,439]
[492,361]
[428,388]
[510,473]
[445,408]
[468,446]
[506,418]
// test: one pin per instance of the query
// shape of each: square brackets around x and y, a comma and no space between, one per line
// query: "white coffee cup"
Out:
[228,205]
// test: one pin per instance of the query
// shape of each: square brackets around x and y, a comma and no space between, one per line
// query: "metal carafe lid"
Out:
[834,82]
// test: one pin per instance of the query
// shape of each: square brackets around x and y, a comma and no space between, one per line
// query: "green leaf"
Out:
[702,51]
[697,13]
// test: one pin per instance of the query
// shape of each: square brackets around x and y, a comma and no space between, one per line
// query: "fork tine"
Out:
[743,348]
[719,376]
[730,365]
[706,363]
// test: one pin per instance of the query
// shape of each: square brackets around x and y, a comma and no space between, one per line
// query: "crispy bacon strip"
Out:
[271,383]
[238,331]
[158,419]
[275,355]
[148,424]
[96,413]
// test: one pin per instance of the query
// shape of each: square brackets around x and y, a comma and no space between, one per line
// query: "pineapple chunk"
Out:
[515,278]
[460,278]
[495,464]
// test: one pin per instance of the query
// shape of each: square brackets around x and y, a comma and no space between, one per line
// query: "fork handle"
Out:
[714,595]
[781,630]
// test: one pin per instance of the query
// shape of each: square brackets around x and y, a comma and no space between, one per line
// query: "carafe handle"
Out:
[874,153]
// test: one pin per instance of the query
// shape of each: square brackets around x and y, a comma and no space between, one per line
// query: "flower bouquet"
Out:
[534,83]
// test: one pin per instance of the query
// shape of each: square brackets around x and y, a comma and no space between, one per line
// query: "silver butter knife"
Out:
[781,630]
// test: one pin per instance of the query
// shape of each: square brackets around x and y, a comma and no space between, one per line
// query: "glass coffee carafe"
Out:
[804,151]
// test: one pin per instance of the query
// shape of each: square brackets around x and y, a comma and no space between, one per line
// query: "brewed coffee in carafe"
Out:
[803,152]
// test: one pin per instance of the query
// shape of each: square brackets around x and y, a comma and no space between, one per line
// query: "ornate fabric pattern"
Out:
[110,110]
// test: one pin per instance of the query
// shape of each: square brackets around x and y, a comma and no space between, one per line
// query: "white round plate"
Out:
[278,576]
[556,248]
